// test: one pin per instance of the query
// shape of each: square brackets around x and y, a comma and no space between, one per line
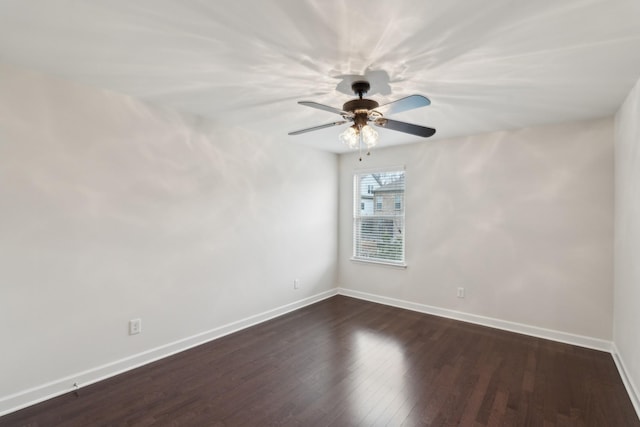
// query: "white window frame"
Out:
[398,216]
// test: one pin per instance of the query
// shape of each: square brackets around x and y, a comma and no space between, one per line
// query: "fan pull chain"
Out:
[360,147]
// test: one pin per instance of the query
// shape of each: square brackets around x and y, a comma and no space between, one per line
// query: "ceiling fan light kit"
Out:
[362,111]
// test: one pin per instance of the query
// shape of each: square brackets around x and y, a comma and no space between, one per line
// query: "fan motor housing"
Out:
[360,104]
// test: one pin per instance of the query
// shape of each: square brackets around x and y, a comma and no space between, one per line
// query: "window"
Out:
[379,203]
[378,233]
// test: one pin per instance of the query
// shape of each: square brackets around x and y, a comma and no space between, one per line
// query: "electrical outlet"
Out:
[135,326]
[296,283]
[460,293]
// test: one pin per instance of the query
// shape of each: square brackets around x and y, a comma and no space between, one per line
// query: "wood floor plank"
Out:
[346,362]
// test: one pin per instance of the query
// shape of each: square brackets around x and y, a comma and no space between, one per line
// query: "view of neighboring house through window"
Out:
[378,217]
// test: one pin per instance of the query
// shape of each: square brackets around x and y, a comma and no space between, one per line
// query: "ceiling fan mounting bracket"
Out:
[360,87]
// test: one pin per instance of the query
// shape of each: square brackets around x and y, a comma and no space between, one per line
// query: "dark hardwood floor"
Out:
[345,362]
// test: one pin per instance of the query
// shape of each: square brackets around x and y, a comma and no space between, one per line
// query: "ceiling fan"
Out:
[361,111]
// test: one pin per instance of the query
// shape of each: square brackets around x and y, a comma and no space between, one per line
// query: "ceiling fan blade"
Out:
[322,107]
[405,127]
[404,104]
[328,125]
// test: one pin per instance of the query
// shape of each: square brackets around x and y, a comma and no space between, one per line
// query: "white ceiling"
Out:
[486,65]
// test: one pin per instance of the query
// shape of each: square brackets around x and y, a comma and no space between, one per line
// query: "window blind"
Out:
[378,217]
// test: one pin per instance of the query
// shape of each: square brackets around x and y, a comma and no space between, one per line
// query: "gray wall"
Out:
[523,220]
[626,328]
[112,210]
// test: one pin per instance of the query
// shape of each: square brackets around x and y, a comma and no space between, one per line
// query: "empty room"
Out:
[320,213]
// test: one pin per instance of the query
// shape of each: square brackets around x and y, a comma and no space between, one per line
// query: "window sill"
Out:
[397,265]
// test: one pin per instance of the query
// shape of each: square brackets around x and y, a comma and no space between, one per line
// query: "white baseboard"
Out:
[564,337]
[632,389]
[24,398]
